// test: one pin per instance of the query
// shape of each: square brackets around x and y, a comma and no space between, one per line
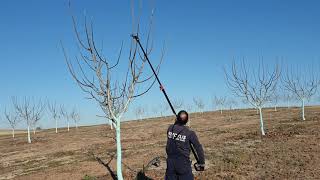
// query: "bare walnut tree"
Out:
[231,103]
[256,86]
[53,109]
[219,102]
[36,120]
[140,112]
[177,103]
[275,100]
[12,119]
[29,110]
[302,86]
[75,116]
[287,98]
[189,108]
[101,79]
[65,115]
[199,104]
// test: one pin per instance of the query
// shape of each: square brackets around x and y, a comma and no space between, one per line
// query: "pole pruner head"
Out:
[135,37]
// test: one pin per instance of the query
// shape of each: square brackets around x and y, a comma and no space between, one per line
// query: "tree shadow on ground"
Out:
[140,175]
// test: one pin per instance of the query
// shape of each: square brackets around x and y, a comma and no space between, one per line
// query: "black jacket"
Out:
[179,138]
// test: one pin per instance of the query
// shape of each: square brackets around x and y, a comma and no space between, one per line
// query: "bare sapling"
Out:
[13,120]
[198,102]
[75,116]
[139,111]
[256,86]
[65,115]
[219,102]
[177,104]
[54,111]
[28,110]
[302,85]
[104,80]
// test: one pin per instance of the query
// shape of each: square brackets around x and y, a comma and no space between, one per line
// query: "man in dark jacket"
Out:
[179,140]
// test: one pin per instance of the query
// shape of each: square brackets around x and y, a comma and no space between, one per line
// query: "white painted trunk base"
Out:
[119,150]
[29,136]
[56,126]
[261,122]
[303,113]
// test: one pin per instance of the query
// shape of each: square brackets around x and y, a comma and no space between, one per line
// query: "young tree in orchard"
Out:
[189,108]
[199,104]
[65,115]
[97,76]
[140,111]
[53,109]
[231,103]
[256,86]
[37,118]
[302,85]
[287,98]
[177,103]
[75,116]
[219,102]
[12,119]
[29,111]
[275,100]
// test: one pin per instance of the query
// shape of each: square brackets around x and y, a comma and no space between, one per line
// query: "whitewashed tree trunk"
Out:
[68,126]
[29,136]
[110,122]
[34,131]
[13,133]
[303,113]
[221,111]
[56,126]
[261,122]
[119,150]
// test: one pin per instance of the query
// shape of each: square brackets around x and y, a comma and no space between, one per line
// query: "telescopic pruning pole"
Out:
[135,37]
[154,72]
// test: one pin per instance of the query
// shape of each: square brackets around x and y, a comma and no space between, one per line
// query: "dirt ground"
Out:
[9,132]
[232,142]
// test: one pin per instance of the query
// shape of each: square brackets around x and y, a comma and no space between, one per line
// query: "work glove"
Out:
[199,167]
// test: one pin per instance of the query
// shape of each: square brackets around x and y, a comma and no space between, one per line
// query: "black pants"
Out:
[178,168]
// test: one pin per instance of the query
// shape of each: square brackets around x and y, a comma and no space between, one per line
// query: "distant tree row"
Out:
[31,111]
[258,86]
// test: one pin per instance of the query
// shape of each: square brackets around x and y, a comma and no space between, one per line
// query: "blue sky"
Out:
[201,37]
